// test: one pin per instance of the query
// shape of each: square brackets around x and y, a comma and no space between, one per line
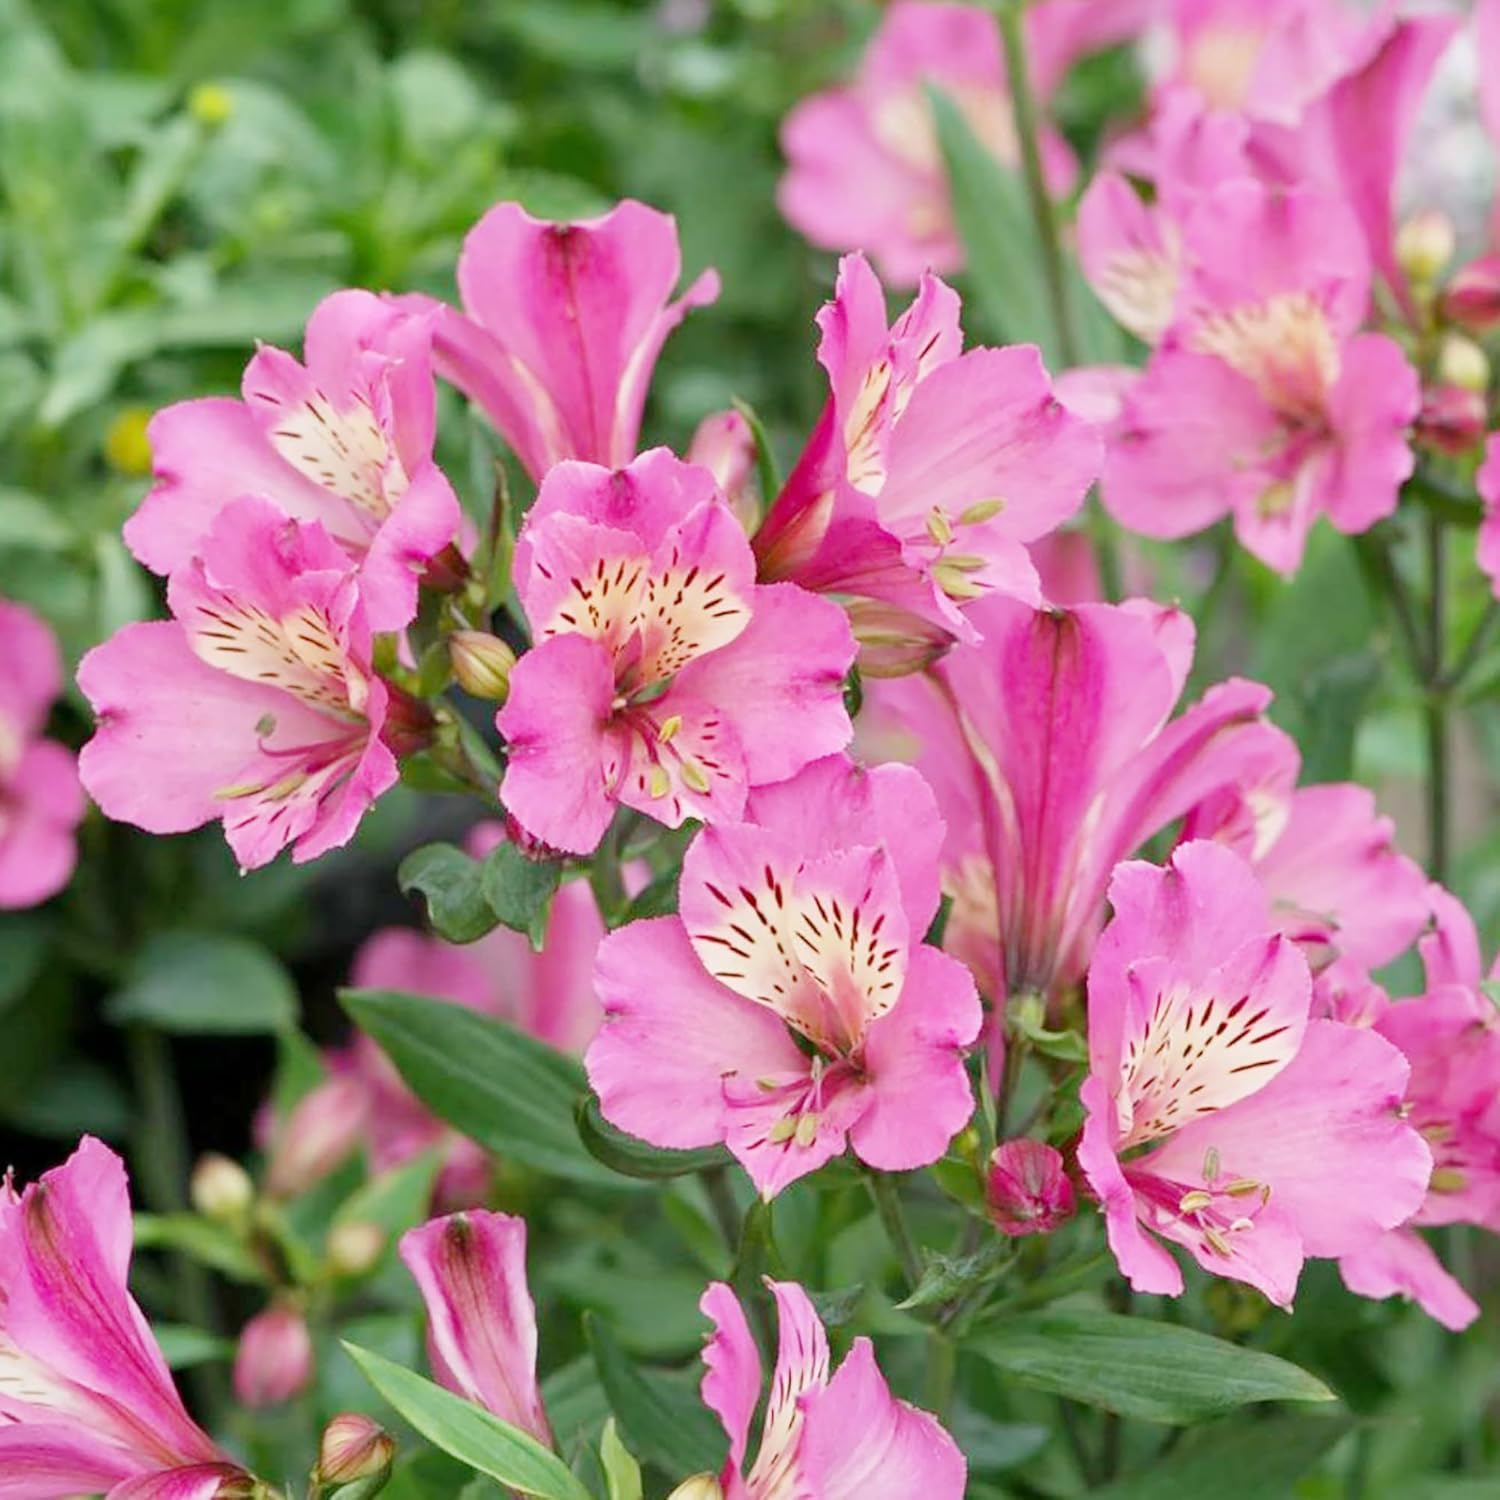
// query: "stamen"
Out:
[661,783]
[953,582]
[695,776]
[807,1130]
[1210,1163]
[982,510]
[1448,1180]
[669,728]
[1242,1186]
[783,1130]
[1216,1241]
[1191,1202]
[938,527]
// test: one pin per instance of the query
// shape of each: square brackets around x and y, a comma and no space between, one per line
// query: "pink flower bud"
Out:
[1452,419]
[481,664]
[275,1358]
[725,446]
[316,1137]
[1028,1192]
[892,641]
[1472,299]
[353,1447]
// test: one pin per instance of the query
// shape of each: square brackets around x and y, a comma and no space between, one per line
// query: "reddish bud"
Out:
[725,446]
[275,1358]
[1028,1191]
[892,641]
[1452,419]
[353,1447]
[1472,298]
[409,723]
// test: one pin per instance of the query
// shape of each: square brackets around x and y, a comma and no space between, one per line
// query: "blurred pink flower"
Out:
[1027,1189]
[792,1007]
[344,440]
[1272,1137]
[481,1321]
[930,469]
[561,327]
[836,1435]
[663,676]
[1051,753]
[87,1404]
[724,445]
[259,694]
[865,170]
[274,1361]
[41,802]
[1265,401]
[1488,481]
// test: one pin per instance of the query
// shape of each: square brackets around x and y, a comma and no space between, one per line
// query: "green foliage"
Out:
[202,983]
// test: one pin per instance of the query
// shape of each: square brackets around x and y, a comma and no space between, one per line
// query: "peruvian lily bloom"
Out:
[865,167]
[87,1405]
[792,1006]
[1265,401]
[40,799]
[836,1435]
[929,469]
[663,676]
[258,693]
[1488,481]
[344,440]
[481,1321]
[561,328]
[1051,753]
[1220,1117]
[1451,1037]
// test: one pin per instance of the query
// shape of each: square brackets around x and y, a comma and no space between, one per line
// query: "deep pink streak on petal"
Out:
[671,1034]
[52,1460]
[553,723]
[920,1095]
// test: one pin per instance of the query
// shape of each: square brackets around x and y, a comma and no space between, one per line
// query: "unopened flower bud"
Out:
[1028,1191]
[699,1487]
[210,104]
[1452,420]
[221,1189]
[321,1131]
[274,1361]
[725,446]
[892,641]
[354,1249]
[481,664]
[1424,245]
[1463,363]
[409,722]
[353,1447]
[126,446]
[1472,297]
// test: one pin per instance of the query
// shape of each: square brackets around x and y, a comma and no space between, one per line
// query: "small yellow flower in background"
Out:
[125,444]
[210,103]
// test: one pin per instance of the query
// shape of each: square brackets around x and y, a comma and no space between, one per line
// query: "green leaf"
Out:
[512,1094]
[1243,1460]
[663,1418]
[184,1346]
[1155,1371]
[206,984]
[632,1158]
[945,1277]
[210,1244]
[766,471]
[470,1433]
[659,899]
[520,890]
[621,1472]
[396,1199]
[23,948]
[450,882]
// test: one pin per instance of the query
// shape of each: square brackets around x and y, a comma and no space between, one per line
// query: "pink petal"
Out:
[1376,399]
[731,1364]
[200,1482]
[801,1371]
[1488,482]
[920,1095]
[1450,952]
[50,1461]
[471,1271]
[671,1035]
[560,700]
[860,1443]
[33,675]
[274,1360]
[1402,1264]
[1130,255]
[45,804]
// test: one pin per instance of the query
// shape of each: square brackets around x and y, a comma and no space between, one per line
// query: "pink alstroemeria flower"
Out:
[1271,1137]
[865,167]
[561,328]
[929,469]
[41,802]
[1451,1037]
[1051,753]
[663,676]
[258,693]
[344,439]
[1265,401]
[792,1006]
[834,1435]
[87,1405]
[1488,481]
[481,1321]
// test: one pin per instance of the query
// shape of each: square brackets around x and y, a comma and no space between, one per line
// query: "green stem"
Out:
[1435,711]
[1468,658]
[893,1217]
[721,1199]
[1385,586]
[161,1156]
